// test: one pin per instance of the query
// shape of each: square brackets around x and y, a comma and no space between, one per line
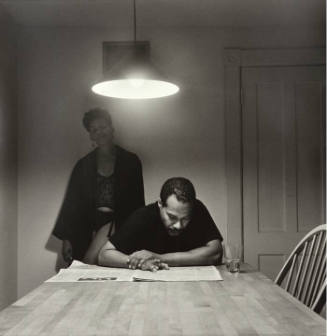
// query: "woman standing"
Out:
[105,187]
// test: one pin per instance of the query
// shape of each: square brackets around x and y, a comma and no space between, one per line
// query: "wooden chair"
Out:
[304,273]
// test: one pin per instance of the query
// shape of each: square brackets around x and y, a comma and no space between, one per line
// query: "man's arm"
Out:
[109,256]
[210,254]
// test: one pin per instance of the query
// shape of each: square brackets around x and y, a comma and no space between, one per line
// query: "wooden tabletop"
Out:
[247,303]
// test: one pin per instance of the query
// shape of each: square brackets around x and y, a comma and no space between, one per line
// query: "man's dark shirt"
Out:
[144,230]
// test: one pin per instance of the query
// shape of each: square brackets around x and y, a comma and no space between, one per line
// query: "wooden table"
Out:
[247,303]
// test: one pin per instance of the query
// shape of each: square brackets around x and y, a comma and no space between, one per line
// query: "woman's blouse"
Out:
[105,191]
[104,200]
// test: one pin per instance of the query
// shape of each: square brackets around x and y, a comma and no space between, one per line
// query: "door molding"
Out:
[234,60]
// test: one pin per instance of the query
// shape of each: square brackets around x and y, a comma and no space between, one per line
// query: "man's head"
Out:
[177,198]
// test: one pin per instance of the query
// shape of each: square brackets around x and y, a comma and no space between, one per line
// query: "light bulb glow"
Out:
[135,88]
[136,83]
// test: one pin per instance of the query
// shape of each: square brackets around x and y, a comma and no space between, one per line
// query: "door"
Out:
[283,118]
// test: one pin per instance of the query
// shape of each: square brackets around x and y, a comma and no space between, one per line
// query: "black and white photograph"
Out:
[162,167]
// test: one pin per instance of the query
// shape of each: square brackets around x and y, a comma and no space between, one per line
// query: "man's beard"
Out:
[174,232]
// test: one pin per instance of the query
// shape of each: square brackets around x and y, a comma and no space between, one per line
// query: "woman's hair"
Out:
[181,187]
[95,113]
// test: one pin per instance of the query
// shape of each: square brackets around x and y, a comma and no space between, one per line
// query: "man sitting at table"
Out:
[175,231]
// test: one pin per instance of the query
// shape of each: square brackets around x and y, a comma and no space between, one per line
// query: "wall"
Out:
[178,135]
[8,163]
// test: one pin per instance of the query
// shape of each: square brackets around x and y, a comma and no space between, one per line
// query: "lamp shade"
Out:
[135,88]
[133,76]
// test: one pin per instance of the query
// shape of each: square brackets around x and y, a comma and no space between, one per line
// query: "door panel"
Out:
[270,157]
[283,160]
[308,99]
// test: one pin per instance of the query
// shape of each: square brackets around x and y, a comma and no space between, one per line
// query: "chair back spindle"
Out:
[305,270]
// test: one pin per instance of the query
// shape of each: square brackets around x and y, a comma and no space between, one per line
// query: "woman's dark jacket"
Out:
[77,215]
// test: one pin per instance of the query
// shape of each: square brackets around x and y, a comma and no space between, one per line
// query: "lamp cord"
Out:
[134,5]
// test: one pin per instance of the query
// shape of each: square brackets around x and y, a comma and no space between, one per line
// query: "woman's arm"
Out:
[67,251]
[110,257]
[99,240]
[69,212]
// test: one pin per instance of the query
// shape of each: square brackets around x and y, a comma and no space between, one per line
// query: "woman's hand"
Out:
[67,251]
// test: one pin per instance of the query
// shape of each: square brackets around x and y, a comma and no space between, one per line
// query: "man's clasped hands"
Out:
[146,261]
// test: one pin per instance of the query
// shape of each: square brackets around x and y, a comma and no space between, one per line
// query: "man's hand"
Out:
[137,258]
[152,264]
[144,254]
[67,251]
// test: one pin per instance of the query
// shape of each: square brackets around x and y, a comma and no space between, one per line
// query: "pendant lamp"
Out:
[134,76]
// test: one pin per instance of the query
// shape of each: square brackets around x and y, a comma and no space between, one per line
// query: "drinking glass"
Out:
[233,254]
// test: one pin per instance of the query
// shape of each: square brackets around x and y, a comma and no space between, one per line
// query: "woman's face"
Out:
[101,132]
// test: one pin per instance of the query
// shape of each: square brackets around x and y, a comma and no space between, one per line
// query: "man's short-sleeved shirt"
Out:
[144,230]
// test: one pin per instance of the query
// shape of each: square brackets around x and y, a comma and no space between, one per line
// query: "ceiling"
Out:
[165,13]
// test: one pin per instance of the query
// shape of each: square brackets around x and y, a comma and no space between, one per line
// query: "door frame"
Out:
[234,60]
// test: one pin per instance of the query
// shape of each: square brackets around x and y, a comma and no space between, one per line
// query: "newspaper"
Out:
[80,272]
